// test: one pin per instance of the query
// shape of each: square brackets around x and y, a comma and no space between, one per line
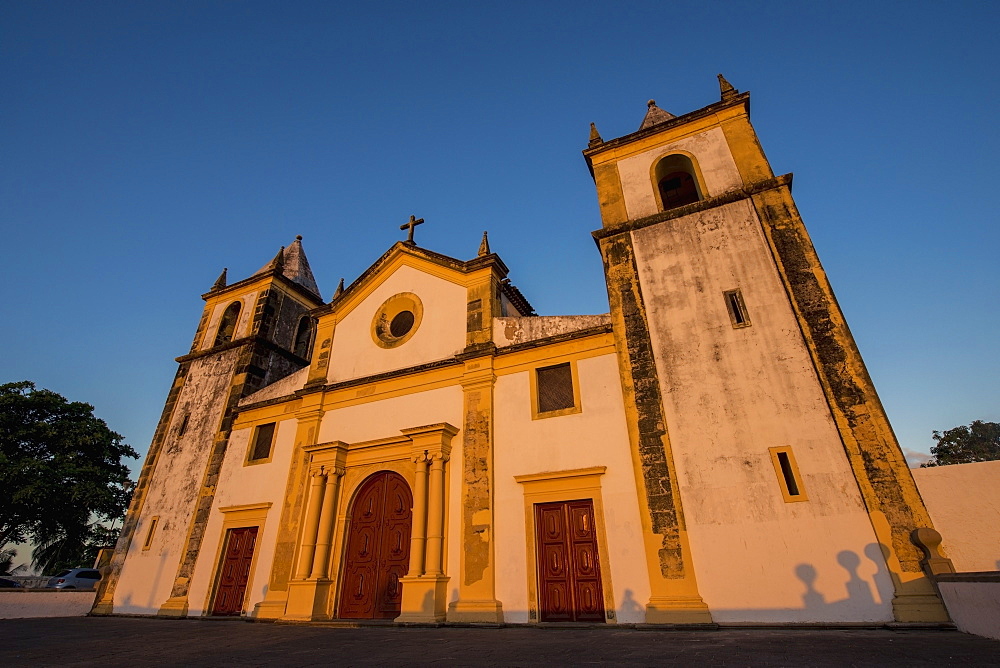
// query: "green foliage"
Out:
[978,442]
[60,469]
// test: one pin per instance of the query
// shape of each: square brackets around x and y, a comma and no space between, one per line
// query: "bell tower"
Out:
[252,333]
[754,425]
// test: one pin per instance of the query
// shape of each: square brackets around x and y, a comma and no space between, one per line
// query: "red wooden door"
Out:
[569,573]
[378,549]
[235,571]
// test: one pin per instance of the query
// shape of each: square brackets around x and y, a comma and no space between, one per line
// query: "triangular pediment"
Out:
[403,254]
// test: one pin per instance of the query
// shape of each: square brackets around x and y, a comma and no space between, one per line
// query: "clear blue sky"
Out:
[144,146]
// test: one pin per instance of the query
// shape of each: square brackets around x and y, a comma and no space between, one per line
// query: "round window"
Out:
[397,320]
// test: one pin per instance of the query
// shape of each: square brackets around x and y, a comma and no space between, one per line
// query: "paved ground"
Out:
[117,641]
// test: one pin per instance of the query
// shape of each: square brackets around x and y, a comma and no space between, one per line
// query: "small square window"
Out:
[260,446]
[737,309]
[555,390]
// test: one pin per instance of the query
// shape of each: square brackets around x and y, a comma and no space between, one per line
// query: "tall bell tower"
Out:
[757,435]
[252,333]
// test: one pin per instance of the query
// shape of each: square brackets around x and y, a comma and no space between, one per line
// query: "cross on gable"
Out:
[414,221]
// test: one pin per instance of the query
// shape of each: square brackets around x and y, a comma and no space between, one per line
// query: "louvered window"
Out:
[555,388]
[263,438]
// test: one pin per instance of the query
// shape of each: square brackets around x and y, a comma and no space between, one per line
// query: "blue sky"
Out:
[144,146]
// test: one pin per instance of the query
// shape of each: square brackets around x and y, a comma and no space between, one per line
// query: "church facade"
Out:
[425,448]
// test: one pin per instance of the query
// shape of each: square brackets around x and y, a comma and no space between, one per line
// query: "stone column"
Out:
[418,536]
[309,532]
[435,516]
[425,587]
[327,520]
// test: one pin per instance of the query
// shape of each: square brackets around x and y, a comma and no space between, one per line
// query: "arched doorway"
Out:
[378,548]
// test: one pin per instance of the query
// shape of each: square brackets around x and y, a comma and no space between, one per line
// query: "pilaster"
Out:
[674,597]
[309,416]
[477,587]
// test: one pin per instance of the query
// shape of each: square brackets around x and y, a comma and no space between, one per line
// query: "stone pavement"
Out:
[135,642]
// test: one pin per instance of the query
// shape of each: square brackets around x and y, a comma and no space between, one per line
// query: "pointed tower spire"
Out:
[484,246]
[655,116]
[291,262]
[340,289]
[726,88]
[595,136]
[220,282]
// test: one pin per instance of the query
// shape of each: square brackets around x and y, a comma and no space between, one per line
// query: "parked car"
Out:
[9,584]
[74,578]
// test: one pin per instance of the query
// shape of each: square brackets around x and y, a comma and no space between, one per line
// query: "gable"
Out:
[438,331]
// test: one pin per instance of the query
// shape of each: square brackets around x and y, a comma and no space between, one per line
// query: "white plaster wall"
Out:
[964,503]
[597,436]
[973,606]
[247,302]
[242,485]
[148,575]
[731,393]
[50,603]
[440,335]
[510,330]
[710,151]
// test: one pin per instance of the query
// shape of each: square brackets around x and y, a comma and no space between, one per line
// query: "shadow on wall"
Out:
[862,602]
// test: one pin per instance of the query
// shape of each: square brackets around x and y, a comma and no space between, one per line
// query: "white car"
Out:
[75,578]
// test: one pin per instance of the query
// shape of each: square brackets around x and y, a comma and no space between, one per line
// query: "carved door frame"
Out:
[563,486]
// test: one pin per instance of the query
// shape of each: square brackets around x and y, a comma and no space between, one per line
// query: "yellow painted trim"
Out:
[574,349]
[742,306]
[569,485]
[693,127]
[393,264]
[782,484]
[577,407]
[390,308]
[238,517]
[251,445]
[153,521]
[276,412]
[698,176]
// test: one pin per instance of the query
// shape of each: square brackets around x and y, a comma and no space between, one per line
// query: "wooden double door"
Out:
[234,572]
[378,548]
[569,571]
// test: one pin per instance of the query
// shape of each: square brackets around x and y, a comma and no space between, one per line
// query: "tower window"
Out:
[227,326]
[260,447]
[737,309]
[788,474]
[555,390]
[302,336]
[676,185]
[149,533]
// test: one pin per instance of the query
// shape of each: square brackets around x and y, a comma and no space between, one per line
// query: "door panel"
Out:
[569,573]
[234,572]
[378,549]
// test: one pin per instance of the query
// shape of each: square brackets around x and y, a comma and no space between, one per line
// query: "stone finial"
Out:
[595,136]
[726,88]
[655,116]
[929,540]
[340,289]
[413,222]
[484,246]
[220,282]
[278,263]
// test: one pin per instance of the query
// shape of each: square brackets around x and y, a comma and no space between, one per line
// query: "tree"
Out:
[61,473]
[978,442]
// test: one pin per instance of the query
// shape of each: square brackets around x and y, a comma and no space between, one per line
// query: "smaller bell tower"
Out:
[755,418]
[252,333]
